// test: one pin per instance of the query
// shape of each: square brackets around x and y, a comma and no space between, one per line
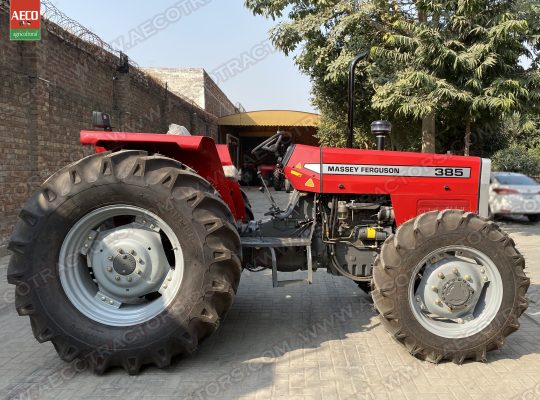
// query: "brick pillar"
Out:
[194,124]
[122,102]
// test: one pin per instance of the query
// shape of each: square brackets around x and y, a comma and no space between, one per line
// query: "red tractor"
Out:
[134,254]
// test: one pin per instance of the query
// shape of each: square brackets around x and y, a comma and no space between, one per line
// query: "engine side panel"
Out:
[416,182]
[198,152]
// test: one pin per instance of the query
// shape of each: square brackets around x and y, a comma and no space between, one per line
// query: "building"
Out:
[244,131]
[195,85]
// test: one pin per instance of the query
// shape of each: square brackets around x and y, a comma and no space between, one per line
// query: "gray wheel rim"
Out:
[107,271]
[458,293]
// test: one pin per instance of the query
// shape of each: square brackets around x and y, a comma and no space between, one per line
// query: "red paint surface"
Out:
[198,152]
[410,195]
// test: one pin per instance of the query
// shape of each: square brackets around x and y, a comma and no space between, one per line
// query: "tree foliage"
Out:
[460,62]
[516,158]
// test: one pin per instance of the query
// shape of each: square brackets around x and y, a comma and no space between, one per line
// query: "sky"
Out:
[221,36]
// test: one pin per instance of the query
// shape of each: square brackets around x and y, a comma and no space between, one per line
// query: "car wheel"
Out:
[534,217]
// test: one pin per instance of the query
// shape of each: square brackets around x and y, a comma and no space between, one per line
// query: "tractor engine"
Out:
[346,233]
[355,228]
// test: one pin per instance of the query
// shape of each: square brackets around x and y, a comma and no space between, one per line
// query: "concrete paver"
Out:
[322,341]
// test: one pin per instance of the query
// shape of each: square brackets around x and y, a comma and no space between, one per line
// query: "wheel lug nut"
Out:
[441,275]
[467,278]
[109,269]
[435,289]
[486,278]
[132,252]
[438,302]
[130,279]
[418,299]
[117,277]
[165,286]
[169,278]
[111,302]
[139,272]
[121,251]
[110,258]
[483,271]
[103,299]
[460,321]
[455,271]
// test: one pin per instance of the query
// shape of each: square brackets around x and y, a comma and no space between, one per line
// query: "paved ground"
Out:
[317,342]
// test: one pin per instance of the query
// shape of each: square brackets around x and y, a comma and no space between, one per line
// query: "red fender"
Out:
[197,152]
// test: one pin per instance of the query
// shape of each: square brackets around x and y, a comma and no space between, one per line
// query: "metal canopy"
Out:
[276,118]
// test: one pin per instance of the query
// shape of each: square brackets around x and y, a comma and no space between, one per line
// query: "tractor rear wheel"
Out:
[450,285]
[124,259]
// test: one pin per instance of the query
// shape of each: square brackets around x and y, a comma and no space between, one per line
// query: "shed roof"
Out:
[277,118]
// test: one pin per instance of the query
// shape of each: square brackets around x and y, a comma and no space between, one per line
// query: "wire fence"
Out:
[51,13]
[71,31]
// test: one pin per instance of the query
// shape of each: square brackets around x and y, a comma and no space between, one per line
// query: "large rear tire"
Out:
[144,235]
[450,285]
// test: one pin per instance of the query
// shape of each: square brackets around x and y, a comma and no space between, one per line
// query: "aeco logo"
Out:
[25,20]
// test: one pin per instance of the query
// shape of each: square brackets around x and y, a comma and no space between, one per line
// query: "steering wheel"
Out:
[273,144]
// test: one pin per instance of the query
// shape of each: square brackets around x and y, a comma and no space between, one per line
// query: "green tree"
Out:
[324,36]
[462,59]
[452,64]
[516,158]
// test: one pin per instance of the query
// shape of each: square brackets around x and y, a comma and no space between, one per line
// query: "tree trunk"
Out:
[467,138]
[428,133]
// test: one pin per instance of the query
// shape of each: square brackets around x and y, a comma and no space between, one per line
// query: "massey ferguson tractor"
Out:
[133,255]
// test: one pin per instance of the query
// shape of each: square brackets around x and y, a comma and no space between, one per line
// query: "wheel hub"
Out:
[124,264]
[451,288]
[129,262]
[121,276]
[457,293]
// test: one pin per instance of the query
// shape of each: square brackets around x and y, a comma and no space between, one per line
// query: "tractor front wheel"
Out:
[124,259]
[450,285]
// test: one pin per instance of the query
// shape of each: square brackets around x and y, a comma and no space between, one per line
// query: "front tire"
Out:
[450,285]
[288,186]
[278,179]
[73,234]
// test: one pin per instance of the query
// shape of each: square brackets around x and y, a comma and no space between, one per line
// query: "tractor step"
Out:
[293,282]
[271,243]
[274,242]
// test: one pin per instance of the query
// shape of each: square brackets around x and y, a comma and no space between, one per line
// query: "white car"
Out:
[512,193]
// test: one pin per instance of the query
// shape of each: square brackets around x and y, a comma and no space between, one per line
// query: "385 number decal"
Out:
[457,172]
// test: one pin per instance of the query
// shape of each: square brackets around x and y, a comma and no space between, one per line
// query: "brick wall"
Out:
[197,86]
[48,90]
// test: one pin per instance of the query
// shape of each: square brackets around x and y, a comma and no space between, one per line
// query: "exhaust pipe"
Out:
[352,80]
[381,129]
